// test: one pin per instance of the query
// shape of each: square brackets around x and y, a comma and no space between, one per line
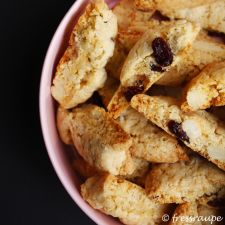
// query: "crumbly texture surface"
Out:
[122,199]
[150,142]
[206,90]
[201,131]
[183,212]
[100,140]
[178,36]
[141,168]
[210,15]
[184,181]
[204,51]
[140,60]
[81,69]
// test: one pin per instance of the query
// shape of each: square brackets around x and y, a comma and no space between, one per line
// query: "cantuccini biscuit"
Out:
[81,70]
[123,199]
[199,130]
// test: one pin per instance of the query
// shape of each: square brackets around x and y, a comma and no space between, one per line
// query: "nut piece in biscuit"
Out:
[122,199]
[185,214]
[81,69]
[100,140]
[153,55]
[150,142]
[206,90]
[199,130]
[184,181]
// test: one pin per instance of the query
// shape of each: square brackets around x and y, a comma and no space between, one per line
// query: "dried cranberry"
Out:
[130,91]
[176,129]
[157,68]
[219,202]
[162,52]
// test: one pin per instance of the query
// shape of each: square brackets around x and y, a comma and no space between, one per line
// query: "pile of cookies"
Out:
[141,93]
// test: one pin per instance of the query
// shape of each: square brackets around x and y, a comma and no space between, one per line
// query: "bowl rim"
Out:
[92,214]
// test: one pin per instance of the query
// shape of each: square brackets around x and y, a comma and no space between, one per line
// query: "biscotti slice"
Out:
[203,51]
[108,90]
[149,59]
[123,199]
[100,140]
[206,90]
[185,214]
[156,53]
[209,15]
[199,130]
[150,142]
[183,181]
[81,69]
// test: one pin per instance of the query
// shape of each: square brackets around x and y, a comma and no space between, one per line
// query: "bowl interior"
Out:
[56,149]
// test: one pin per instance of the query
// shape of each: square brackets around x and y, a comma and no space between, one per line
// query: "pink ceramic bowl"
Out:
[56,149]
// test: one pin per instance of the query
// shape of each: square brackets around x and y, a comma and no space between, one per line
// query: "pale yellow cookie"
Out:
[81,70]
[100,140]
[206,90]
[199,130]
[150,142]
[204,51]
[149,59]
[123,199]
[184,181]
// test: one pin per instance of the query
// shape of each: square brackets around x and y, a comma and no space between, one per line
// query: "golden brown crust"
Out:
[81,70]
[184,181]
[122,199]
[100,140]
[205,90]
[150,142]
[200,131]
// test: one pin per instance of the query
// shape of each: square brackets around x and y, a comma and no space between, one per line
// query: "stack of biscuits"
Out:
[141,93]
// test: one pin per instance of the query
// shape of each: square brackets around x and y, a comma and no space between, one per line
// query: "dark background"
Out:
[30,192]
